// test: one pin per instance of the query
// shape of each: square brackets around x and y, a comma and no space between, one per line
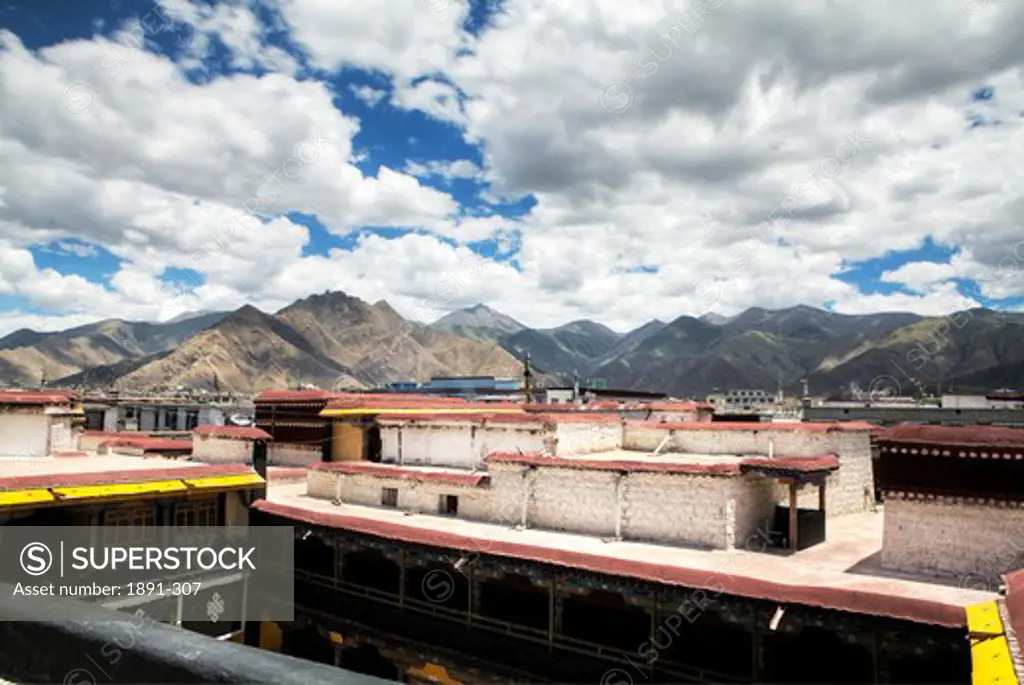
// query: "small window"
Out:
[448,505]
[389,497]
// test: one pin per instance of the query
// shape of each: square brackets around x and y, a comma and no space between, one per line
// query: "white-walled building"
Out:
[225,444]
[36,423]
[694,483]
[954,500]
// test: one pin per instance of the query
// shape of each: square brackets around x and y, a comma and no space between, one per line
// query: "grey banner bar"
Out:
[174,574]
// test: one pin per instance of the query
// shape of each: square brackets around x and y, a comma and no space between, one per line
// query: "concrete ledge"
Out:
[105,646]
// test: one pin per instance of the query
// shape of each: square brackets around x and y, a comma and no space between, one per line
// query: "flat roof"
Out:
[459,477]
[842,573]
[36,397]
[683,463]
[16,474]
[967,436]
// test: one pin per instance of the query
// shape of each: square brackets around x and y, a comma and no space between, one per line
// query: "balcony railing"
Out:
[101,645]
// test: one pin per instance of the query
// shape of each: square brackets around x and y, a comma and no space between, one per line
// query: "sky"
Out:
[617,161]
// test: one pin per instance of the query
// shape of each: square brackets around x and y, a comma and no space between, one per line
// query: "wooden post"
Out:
[403,561]
[821,496]
[552,591]
[792,515]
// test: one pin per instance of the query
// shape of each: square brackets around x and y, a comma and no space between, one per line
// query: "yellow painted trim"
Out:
[991,663]
[17,497]
[225,481]
[119,489]
[364,411]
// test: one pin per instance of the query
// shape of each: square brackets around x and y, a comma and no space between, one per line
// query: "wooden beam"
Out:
[792,516]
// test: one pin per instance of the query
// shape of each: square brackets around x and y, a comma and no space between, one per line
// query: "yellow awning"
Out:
[17,497]
[119,489]
[49,496]
[991,663]
[364,411]
[252,479]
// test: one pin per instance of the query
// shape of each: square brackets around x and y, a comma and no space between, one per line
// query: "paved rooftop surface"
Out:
[843,572]
[90,463]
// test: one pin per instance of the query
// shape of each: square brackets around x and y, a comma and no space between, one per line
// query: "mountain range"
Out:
[333,340]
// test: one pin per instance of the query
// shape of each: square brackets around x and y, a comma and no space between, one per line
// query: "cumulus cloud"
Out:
[679,157]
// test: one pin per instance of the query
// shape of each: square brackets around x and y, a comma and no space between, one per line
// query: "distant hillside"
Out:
[329,341]
[335,340]
[26,356]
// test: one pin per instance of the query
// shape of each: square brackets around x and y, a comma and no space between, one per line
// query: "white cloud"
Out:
[371,96]
[847,122]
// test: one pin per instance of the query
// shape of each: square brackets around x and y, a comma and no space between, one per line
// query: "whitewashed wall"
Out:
[221,450]
[720,512]
[24,434]
[949,539]
[285,454]
[850,489]
[455,445]
[585,438]
[365,489]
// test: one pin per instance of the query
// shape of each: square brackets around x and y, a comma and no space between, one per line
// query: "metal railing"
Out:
[104,646]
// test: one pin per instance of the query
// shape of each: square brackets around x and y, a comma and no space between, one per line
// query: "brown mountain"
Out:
[27,356]
[974,351]
[329,341]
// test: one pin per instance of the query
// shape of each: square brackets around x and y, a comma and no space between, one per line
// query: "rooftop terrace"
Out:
[842,573]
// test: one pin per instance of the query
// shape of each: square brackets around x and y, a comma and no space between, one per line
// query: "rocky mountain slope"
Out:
[330,341]
[763,349]
[27,356]
[335,340]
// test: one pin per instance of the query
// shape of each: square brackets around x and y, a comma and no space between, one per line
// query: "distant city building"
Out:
[994,409]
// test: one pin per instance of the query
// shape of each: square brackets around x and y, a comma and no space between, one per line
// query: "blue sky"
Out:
[468,132]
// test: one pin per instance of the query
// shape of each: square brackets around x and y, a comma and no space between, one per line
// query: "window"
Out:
[202,512]
[448,505]
[127,525]
[389,497]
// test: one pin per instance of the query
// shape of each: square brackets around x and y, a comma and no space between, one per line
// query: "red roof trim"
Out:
[525,417]
[279,473]
[841,599]
[538,459]
[150,444]
[966,436]
[1015,602]
[809,427]
[35,397]
[55,480]
[295,395]
[418,475]
[828,462]
[237,432]
[389,401]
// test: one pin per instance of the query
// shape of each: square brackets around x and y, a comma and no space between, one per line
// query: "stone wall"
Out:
[424,498]
[848,490]
[291,454]
[212,449]
[703,511]
[976,542]
[586,438]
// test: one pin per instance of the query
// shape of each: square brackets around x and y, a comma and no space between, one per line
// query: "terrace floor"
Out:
[843,572]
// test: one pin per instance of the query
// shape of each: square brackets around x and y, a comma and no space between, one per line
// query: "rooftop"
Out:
[967,436]
[842,573]
[673,462]
[55,471]
[238,432]
[35,397]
